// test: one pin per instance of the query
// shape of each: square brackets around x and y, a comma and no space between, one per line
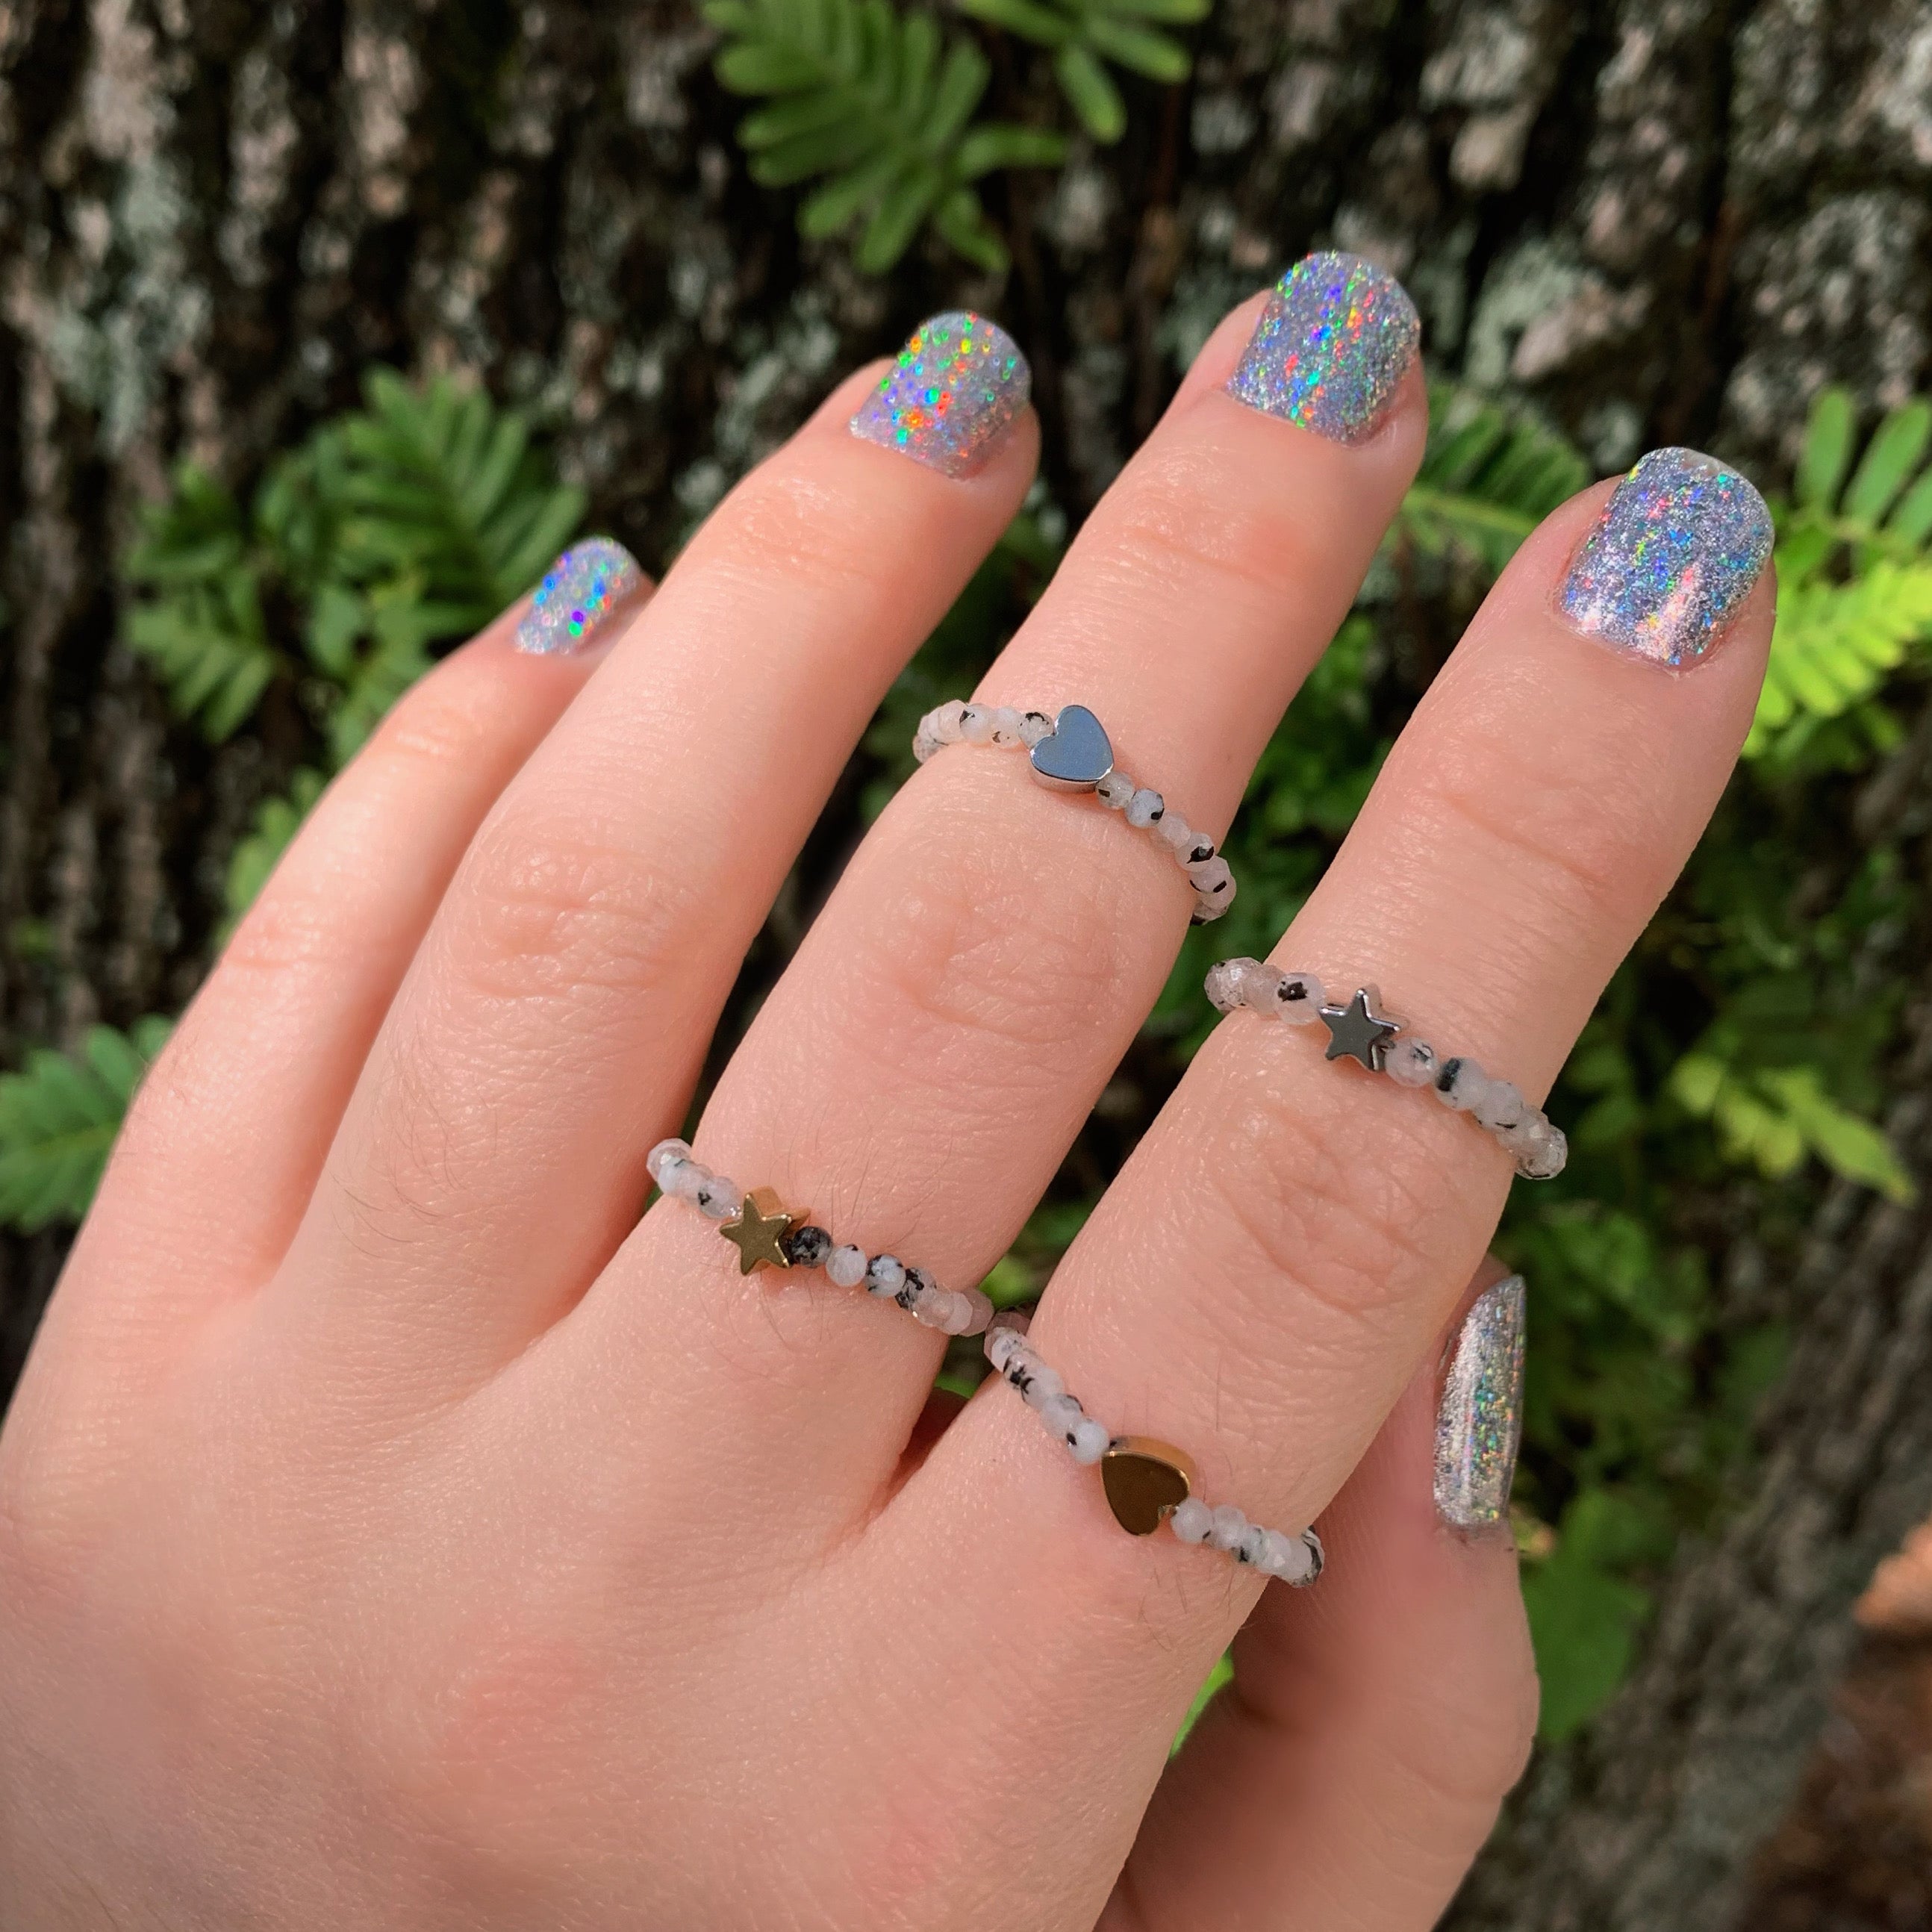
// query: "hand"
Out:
[397,1532]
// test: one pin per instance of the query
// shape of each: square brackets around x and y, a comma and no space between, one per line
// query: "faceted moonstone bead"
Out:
[979,1308]
[1288,1558]
[1176,831]
[886,1275]
[1298,998]
[1502,1105]
[1145,808]
[1087,1440]
[1034,727]
[1253,1545]
[1410,1063]
[808,1247]
[976,724]
[1225,983]
[664,1151]
[846,1265]
[720,1198]
[1461,1084]
[1211,878]
[1193,1521]
[1058,1414]
[1115,790]
[1043,1384]
[1006,722]
[1230,1526]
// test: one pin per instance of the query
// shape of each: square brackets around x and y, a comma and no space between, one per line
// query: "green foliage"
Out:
[877,107]
[1085,34]
[392,531]
[1854,581]
[1490,474]
[58,1117]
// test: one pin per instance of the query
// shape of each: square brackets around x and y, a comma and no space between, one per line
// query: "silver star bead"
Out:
[1357,1032]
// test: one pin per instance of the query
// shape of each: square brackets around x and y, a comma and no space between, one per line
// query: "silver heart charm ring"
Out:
[1073,753]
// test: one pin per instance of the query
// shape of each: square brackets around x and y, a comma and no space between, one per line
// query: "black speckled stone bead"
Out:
[808,1247]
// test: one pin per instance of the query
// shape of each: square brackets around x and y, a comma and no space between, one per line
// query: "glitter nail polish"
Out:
[1331,348]
[950,399]
[1479,1420]
[578,592]
[1675,552]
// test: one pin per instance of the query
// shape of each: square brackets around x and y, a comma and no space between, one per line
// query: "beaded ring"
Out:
[1073,753]
[1147,1483]
[1360,1032]
[767,1235]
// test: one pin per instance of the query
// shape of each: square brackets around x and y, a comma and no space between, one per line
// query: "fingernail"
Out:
[1331,348]
[578,592]
[1675,552]
[949,400]
[1479,1422]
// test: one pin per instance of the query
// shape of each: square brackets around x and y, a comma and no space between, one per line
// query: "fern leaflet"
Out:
[58,1117]
[879,105]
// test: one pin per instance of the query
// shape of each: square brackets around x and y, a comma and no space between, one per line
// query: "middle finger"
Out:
[918,1074]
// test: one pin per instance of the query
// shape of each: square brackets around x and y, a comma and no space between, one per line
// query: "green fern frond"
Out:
[1854,568]
[277,822]
[204,632]
[877,106]
[58,1117]
[1490,475]
[1085,34]
[1836,643]
[1773,1119]
[441,486]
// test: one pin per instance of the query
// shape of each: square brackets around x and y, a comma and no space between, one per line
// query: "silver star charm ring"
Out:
[1358,1032]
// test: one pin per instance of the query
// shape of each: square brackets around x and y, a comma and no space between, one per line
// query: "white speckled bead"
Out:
[665,1150]
[1145,809]
[1223,984]
[979,1312]
[1059,1414]
[1297,998]
[1253,1547]
[846,1265]
[976,724]
[1087,1440]
[1230,1526]
[1461,1083]
[1175,830]
[1538,1148]
[1035,725]
[1502,1106]
[1007,722]
[1411,1062]
[1042,1385]
[1211,878]
[1115,791]
[1193,1521]
[885,1276]
[1289,1558]
[717,1198]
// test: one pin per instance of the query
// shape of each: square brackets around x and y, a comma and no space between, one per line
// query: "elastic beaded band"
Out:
[1073,753]
[1147,1483]
[768,1234]
[1358,1031]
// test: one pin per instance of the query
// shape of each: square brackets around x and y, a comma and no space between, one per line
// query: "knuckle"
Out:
[795,530]
[558,919]
[1347,1202]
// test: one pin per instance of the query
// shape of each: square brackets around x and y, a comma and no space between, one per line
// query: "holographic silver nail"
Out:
[1479,1422]
[578,592]
[948,401]
[1331,348]
[1675,552]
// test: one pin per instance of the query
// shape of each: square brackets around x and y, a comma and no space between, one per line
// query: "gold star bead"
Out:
[758,1233]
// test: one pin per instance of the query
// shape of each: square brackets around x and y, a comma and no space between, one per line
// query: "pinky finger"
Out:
[256,1076]
[1350,1773]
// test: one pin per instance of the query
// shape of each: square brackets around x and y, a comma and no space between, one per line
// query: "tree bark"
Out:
[1664,220]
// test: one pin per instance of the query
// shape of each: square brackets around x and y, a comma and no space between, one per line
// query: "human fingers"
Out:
[918,1073]
[1262,1279]
[1348,1774]
[256,1075]
[553,1024]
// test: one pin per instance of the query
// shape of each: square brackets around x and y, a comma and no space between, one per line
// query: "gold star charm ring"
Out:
[758,1233]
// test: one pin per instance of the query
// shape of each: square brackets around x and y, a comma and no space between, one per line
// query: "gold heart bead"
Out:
[1146,1481]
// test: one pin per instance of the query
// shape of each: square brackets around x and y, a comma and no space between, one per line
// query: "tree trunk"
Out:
[1667,220]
